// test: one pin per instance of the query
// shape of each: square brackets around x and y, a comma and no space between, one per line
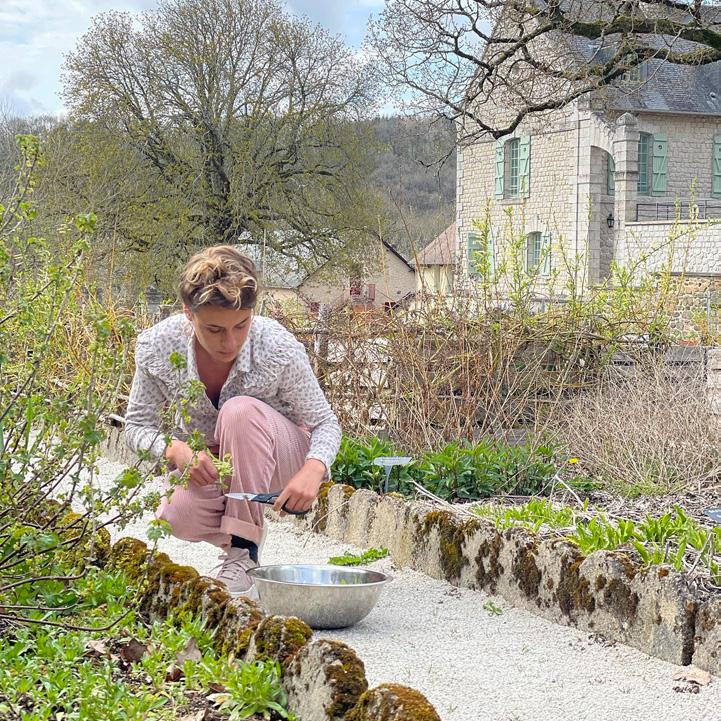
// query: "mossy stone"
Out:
[320,517]
[392,702]
[620,600]
[488,566]
[130,556]
[347,675]
[452,534]
[574,592]
[278,638]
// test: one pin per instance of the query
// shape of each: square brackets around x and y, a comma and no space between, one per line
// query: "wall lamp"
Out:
[609,220]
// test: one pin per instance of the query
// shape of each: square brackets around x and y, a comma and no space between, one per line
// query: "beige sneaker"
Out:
[233,572]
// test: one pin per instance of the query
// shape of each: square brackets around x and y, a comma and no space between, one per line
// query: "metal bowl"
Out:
[322,596]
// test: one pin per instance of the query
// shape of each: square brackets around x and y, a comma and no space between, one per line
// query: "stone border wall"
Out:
[653,609]
[324,680]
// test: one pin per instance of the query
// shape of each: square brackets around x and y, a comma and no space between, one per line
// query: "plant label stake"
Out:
[714,514]
[388,463]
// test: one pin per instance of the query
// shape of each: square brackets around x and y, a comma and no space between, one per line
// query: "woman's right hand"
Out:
[202,471]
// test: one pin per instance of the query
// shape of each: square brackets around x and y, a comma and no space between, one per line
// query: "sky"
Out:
[35,34]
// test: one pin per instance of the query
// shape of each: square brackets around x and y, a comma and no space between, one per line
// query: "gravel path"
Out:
[477,666]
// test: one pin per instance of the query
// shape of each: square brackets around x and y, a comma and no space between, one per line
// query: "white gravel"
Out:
[473,665]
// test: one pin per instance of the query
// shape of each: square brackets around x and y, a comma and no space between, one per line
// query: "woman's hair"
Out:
[220,275]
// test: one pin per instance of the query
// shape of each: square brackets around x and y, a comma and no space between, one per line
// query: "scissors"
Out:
[267,498]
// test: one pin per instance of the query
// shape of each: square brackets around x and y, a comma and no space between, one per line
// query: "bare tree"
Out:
[240,108]
[490,63]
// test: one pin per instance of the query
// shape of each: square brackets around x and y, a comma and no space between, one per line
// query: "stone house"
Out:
[609,178]
[384,282]
[436,264]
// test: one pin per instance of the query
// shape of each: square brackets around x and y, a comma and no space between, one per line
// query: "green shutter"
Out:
[546,251]
[660,165]
[610,176]
[716,167]
[524,166]
[500,166]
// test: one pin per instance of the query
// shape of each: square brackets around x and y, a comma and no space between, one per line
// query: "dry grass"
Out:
[444,374]
[647,430]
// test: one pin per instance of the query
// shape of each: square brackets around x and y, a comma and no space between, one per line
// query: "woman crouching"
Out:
[262,405]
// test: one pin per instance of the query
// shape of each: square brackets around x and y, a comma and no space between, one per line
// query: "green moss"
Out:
[573,593]
[392,702]
[279,639]
[524,567]
[320,519]
[216,606]
[452,535]
[347,676]
[488,567]
[129,556]
[194,597]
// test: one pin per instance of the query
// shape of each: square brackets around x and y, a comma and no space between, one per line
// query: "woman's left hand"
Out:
[302,488]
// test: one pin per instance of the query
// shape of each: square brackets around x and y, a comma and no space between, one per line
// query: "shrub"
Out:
[62,357]
[648,430]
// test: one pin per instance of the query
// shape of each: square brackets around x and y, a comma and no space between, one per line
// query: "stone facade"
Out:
[590,223]
[389,279]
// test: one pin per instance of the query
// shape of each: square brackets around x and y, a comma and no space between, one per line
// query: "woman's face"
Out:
[220,331]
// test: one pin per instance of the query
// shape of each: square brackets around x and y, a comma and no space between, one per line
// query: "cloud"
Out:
[34,37]
[348,18]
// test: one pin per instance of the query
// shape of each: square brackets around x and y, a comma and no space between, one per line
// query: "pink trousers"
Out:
[267,450]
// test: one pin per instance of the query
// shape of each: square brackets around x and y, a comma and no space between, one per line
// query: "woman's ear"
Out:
[188,313]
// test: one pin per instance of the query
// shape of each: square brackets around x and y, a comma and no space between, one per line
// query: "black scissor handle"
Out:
[271,498]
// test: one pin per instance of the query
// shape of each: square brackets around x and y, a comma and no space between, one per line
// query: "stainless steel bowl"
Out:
[322,596]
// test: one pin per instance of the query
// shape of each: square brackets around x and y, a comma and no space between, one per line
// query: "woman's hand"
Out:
[202,472]
[302,488]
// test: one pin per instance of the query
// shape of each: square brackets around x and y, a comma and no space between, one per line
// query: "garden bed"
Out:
[651,607]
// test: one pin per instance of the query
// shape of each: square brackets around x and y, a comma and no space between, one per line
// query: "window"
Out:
[610,175]
[634,75]
[538,253]
[645,155]
[481,254]
[652,164]
[513,167]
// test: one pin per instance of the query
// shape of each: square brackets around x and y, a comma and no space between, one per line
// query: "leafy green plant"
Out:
[461,471]
[138,671]
[353,559]
[63,359]
[492,608]
[354,463]
[253,689]
[533,514]
[674,538]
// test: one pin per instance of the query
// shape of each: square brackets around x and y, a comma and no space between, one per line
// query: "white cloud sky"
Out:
[35,34]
